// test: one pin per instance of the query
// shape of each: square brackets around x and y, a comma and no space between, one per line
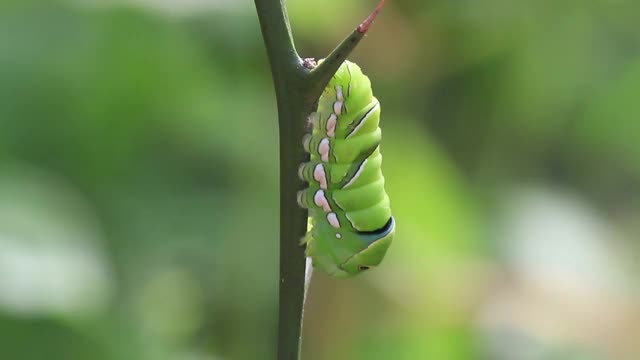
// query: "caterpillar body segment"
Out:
[351,222]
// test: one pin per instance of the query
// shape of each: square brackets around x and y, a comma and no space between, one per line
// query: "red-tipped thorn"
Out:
[366,24]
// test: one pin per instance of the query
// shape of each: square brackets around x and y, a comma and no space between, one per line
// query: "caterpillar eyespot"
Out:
[353,226]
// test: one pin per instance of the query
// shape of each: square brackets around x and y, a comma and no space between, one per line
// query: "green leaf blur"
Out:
[138,182]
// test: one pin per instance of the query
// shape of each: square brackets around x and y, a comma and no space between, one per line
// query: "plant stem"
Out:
[288,77]
[297,90]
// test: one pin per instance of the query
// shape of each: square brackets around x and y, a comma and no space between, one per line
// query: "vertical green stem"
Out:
[288,77]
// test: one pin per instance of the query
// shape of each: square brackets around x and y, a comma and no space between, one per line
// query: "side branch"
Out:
[321,75]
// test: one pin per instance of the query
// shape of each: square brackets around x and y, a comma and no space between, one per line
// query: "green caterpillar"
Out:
[349,210]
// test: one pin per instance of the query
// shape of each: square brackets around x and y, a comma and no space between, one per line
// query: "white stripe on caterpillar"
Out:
[333,220]
[356,175]
[331,125]
[339,95]
[364,119]
[323,149]
[337,107]
[320,176]
[321,201]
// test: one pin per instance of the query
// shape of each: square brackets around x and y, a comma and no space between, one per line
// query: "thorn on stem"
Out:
[366,24]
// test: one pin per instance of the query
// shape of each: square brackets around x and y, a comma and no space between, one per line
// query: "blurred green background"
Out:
[138,181]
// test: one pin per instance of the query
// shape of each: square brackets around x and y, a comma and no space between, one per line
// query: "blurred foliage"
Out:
[138,182]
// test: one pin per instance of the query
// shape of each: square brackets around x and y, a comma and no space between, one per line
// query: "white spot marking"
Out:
[339,236]
[356,175]
[364,120]
[323,149]
[337,107]
[339,94]
[331,125]
[333,220]
[321,201]
[320,176]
